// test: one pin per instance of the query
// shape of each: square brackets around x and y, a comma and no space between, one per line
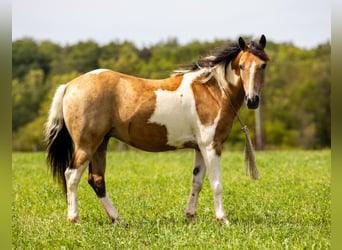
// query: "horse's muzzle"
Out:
[252,102]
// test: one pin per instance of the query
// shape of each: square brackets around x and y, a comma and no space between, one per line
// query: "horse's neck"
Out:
[231,87]
[236,95]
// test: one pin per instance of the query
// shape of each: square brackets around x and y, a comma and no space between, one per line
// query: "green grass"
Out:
[288,208]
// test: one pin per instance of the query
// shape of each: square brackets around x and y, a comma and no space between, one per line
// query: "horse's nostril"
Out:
[256,99]
[253,102]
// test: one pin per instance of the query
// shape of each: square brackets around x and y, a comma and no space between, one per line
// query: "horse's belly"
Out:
[158,137]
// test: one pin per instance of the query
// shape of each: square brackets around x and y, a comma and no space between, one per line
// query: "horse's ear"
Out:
[242,43]
[262,41]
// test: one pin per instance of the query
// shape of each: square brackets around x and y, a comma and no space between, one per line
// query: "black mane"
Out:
[226,55]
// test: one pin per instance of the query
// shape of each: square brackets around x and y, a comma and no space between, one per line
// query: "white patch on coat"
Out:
[231,76]
[205,134]
[98,71]
[72,177]
[252,72]
[220,76]
[176,110]
[108,206]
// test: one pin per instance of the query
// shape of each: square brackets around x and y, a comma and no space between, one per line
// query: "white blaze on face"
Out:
[252,72]
[176,110]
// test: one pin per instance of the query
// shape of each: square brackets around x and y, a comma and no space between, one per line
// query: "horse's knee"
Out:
[217,188]
[98,184]
[197,185]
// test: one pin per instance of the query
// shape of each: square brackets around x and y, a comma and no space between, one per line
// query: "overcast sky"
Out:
[305,23]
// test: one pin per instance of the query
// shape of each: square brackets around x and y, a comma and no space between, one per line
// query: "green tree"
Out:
[26,97]
[297,97]
[29,136]
[52,54]
[125,61]
[83,57]
[25,57]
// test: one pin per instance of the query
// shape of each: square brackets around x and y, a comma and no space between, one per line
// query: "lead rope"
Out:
[250,162]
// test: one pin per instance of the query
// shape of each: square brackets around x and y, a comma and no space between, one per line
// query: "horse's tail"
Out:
[59,145]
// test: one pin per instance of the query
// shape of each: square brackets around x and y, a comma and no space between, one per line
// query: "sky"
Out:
[305,23]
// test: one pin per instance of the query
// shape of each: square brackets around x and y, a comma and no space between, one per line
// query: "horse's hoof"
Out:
[74,219]
[125,224]
[222,221]
[120,222]
[191,218]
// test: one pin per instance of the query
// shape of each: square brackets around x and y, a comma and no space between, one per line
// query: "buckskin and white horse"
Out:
[194,108]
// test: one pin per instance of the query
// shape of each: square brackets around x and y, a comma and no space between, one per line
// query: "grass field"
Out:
[288,208]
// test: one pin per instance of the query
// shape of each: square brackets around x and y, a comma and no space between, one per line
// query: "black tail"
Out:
[59,145]
[60,149]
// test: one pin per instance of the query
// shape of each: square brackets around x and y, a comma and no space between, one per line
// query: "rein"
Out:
[250,162]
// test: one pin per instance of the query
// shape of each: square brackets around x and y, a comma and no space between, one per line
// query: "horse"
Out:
[193,108]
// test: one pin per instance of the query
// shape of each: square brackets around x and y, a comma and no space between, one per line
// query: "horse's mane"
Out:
[223,57]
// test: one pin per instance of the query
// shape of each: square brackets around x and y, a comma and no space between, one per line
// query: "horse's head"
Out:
[252,64]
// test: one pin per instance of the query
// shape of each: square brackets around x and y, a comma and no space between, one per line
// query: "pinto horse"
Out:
[194,108]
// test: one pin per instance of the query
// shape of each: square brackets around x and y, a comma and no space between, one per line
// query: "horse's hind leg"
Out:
[73,175]
[96,180]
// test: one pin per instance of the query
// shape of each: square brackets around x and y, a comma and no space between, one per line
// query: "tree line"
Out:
[295,99]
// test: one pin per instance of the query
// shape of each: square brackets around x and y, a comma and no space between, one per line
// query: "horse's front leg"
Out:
[196,186]
[213,164]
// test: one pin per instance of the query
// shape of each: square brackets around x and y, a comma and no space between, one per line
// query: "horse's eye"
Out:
[242,67]
[263,66]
